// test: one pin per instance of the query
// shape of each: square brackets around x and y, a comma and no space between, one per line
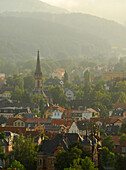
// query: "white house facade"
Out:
[73,128]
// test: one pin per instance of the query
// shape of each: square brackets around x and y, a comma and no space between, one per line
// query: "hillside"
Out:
[59,36]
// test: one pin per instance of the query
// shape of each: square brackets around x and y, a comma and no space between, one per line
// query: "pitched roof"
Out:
[50,146]
[18,130]
[61,122]
[120,105]
[37,120]
[10,121]
[83,125]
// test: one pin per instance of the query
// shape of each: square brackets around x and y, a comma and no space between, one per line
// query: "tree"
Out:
[3,156]
[17,94]
[17,164]
[58,95]
[123,127]
[108,158]
[107,142]
[87,76]
[29,82]
[120,162]
[87,164]
[66,78]
[71,158]
[25,152]
[122,138]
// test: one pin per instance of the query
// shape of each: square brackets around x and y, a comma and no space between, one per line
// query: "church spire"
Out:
[38,74]
[38,68]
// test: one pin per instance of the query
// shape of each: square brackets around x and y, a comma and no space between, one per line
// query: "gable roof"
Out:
[10,121]
[37,120]
[50,146]
[61,122]
[120,105]
[83,125]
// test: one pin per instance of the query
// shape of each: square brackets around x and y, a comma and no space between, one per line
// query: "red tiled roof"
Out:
[121,105]
[18,130]
[67,116]
[11,120]
[58,108]
[107,120]
[32,133]
[59,70]
[36,120]
[116,139]
[61,122]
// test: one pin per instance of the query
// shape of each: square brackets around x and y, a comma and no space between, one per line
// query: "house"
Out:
[89,113]
[7,147]
[52,82]
[46,156]
[6,92]
[57,112]
[111,75]
[55,129]
[67,114]
[18,130]
[58,122]
[59,73]
[84,127]
[70,93]
[121,148]
[112,130]
[120,105]
[15,122]
[31,123]
[119,112]
[73,128]
[77,114]
[48,111]
[26,115]
[12,111]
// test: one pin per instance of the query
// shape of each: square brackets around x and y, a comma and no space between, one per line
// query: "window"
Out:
[18,123]
[109,128]
[44,163]
[15,123]
[51,163]
[22,124]
[123,149]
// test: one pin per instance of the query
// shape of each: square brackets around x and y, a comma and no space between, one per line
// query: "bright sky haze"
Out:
[109,9]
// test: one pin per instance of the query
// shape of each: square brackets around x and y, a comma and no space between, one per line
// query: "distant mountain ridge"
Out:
[28,6]
[58,35]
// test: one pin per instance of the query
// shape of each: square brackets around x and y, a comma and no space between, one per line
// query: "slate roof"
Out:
[50,146]
[118,113]
[83,125]
[52,82]
[2,90]
[50,127]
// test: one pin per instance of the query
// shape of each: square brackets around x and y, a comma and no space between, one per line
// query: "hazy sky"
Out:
[110,9]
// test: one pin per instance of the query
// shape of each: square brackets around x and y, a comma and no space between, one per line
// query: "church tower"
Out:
[38,74]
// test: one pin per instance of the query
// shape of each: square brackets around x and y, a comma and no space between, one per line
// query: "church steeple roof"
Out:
[38,68]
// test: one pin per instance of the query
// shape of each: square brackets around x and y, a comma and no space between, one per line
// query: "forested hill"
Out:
[59,36]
